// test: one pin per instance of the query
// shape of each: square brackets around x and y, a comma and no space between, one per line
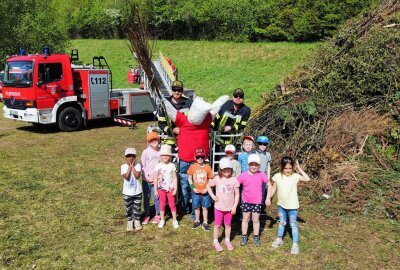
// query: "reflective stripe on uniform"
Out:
[223,122]
[169,141]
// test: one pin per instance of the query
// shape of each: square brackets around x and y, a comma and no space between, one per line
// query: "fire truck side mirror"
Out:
[39,83]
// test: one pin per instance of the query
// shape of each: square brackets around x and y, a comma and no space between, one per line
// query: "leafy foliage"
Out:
[91,18]
[234,20]
[275,20]
[29,25]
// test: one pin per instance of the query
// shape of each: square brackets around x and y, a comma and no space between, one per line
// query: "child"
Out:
[288,202]
[251,182]
[165,180]
[265,158]
[226,201]
[230,152]
[248,147]
[199,174]
[150,158]
[132,190]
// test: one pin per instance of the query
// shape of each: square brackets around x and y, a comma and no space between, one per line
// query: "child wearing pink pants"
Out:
[166,181]
[226,200]
[164,196]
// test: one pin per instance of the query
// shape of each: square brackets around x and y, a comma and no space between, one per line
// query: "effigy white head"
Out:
[199,109]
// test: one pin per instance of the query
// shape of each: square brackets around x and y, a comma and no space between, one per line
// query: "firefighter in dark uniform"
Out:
[231,119]
[180,103]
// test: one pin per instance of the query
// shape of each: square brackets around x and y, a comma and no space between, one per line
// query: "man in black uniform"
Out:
[231,119]
[180,103]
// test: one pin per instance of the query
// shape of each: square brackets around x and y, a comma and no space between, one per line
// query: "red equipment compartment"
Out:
[84,96]
[114,104]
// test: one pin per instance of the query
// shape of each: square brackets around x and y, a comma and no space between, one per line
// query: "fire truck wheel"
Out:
[70,119]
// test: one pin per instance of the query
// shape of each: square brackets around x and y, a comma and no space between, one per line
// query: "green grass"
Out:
[60,193]
[211,68]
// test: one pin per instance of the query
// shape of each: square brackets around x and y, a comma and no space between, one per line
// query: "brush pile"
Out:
[340,116]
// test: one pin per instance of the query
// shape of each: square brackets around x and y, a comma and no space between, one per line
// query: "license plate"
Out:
[12,112]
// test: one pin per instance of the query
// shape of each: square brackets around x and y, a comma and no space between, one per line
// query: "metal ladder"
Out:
[161,75]
[215,156]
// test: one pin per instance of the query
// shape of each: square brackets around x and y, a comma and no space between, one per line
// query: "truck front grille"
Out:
[18,104]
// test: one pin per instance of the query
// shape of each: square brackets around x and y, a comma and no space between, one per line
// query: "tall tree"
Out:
[29,24]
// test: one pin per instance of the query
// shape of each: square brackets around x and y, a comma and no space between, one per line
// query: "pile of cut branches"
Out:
[339,114]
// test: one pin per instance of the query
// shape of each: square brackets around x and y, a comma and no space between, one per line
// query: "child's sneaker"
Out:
[206,227]
[229,245]
[138,226]
[156,220]
[295,249]
[175,224]
[161,223]
[196,224]
[218,246]
[257,241]
[277,243]
[129,226]
[146,220]
[243,240]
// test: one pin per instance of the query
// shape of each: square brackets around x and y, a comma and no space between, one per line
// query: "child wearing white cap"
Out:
[226,201]
[166,183]
[230,151]
[132,189]
[252,182]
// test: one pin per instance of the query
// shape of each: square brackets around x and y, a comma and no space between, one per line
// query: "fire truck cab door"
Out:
[51,85]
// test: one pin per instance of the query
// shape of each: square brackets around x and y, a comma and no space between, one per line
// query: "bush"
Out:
[236,20]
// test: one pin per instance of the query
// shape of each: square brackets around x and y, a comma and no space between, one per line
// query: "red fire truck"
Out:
[49,89]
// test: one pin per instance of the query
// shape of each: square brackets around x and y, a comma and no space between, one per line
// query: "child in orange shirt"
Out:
[199,175]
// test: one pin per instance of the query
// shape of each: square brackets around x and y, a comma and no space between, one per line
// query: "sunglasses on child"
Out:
[130,155]
[200,157]
[265,144]
[177,90]
[238,96]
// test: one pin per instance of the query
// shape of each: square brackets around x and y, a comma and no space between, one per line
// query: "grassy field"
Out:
[60,193]
[61,208]
[211,68]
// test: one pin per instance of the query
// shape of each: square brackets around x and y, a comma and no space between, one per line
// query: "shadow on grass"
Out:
[39,128]
[94,124]
[265,220]
[288,229]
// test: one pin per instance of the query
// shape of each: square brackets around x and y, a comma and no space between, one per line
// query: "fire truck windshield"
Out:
[18,74]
